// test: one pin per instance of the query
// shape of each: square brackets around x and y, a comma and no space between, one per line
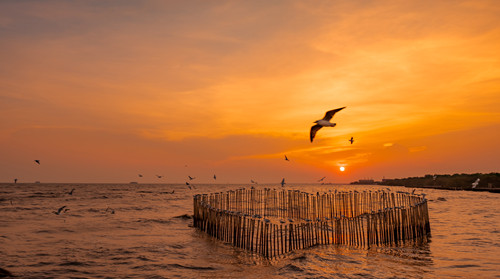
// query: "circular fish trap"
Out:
[273,222]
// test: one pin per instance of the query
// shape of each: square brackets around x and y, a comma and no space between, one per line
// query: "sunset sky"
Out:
[100,91]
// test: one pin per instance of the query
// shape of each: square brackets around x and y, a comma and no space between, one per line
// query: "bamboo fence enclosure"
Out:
[273,222]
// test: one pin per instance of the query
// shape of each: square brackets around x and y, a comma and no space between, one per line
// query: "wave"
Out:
[184,216]
[157,221]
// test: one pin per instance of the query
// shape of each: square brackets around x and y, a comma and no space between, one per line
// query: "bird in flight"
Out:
[111,210]
[286,158]
[59,210]
[325,122]
[283,182]
[475,183]
[351,140]
[215,177]
[254,182]
[191,178]
[37,161]
[322,179]
[140,175]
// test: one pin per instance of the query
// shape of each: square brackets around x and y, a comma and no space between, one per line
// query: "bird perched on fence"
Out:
[325,122]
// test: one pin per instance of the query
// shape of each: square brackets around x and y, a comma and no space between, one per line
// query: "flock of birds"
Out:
[324,122]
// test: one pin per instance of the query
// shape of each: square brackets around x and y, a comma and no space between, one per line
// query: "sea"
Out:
[146,231]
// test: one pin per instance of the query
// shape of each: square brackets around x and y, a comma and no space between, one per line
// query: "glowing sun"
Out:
[342,169]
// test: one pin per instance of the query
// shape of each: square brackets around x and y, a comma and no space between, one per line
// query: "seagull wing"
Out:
[314,130]
[329,114]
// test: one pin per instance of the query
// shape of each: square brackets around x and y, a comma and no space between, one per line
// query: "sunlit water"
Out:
[149,236]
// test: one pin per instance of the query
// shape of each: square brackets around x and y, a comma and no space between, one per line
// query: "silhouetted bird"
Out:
[37,161]
[71,192]
[215,177]
[322,179]
[191,178]
[254,182]
[58,211]
[351,140]
[325,122]
[159,176]
[140,175]
[283,182]
[15,180]
[286,158]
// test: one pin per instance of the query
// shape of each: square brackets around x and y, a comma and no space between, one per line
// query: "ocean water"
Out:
[145,231]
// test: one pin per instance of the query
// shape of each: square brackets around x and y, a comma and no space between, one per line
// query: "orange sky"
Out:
[101,91]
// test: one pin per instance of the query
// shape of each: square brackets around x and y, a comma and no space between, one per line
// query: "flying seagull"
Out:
[37,161]
[110,209]
[325,122]
[59,210]
[322,179]
[283,183]
[286,158]
[475,183]
[191,178]
[351,140]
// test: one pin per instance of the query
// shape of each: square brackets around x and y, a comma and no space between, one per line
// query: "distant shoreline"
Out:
[480,182]
[492,190]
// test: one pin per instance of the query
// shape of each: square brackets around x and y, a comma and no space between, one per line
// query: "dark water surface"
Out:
[150,235]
